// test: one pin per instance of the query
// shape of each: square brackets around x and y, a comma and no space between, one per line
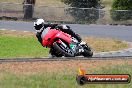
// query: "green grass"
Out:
[13,46]
[17,44]
[62,79]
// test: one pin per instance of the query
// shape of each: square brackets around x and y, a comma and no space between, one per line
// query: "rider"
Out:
[40,26]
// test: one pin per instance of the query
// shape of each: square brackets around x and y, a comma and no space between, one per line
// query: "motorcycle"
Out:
[63,44]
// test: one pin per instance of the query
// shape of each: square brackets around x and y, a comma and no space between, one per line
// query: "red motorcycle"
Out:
[63,44]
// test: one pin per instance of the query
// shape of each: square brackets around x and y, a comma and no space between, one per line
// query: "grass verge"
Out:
[20,44]
[65,77]
[12,45]
[105,44]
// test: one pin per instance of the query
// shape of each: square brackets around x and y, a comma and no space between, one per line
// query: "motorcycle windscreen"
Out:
[48,37]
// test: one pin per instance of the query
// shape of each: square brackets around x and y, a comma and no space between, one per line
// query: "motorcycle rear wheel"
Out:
[67,52]
[54,53]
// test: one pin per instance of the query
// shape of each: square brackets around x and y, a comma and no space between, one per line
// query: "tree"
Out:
[82,3]
[28,8]
[122,5]
[81,13]
[121,10]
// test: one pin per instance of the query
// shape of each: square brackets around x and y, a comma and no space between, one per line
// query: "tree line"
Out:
[87,14]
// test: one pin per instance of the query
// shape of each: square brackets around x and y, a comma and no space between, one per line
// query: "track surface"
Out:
[61,59]
[117,32]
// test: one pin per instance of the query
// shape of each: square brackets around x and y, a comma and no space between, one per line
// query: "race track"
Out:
[5,60]
[118,32]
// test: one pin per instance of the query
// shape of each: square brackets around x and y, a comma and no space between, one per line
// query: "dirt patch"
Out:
[16,33]
[59,66]
[130,44]
[106,44]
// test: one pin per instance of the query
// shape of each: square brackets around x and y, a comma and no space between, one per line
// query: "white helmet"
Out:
[38,24]
[65,27]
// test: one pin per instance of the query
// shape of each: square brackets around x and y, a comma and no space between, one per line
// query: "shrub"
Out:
[80,13]
[82,3]
[121,10]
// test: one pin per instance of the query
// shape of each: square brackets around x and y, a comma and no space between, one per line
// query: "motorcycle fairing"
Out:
[51,35]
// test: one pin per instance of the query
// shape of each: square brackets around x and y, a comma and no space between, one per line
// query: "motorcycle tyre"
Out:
[60,50]
[87,51]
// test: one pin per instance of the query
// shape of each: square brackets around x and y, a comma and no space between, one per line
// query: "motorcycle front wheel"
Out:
[87,51]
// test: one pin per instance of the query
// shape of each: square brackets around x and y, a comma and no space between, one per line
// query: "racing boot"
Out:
[82,43]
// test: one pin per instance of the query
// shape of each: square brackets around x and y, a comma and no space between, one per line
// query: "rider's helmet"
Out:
[65,27]
[38,24]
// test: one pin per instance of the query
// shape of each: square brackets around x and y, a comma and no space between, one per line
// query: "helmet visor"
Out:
[38,27]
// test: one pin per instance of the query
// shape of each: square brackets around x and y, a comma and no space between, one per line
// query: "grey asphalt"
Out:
[117,32]
[44,59]
[124,53]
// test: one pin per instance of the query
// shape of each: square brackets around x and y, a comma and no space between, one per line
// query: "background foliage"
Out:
[80,13]
[122,5]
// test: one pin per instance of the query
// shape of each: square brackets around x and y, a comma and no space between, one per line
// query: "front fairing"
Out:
[50,35]
[64,36]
